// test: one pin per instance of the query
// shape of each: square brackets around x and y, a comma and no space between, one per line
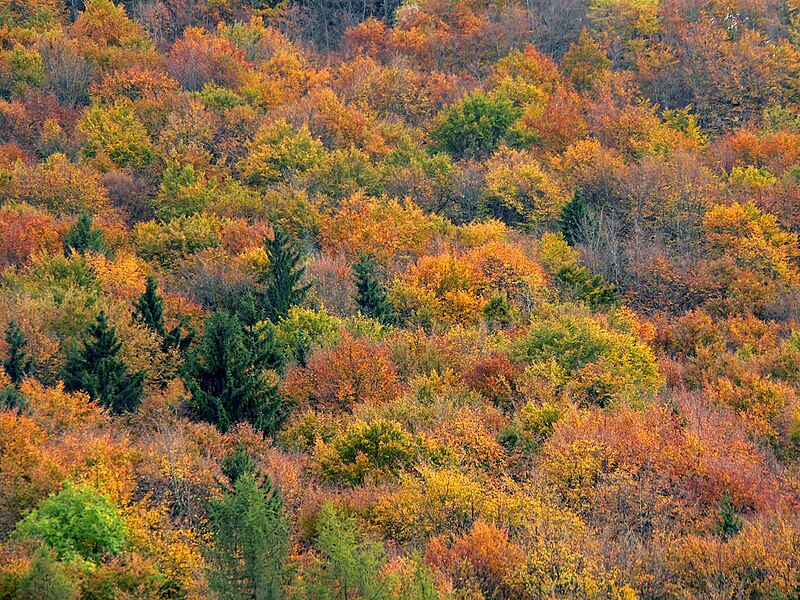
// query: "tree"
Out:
[83,237]
[77,522]
[18,364]
[474,126]
[729,523]
[149,308]
[282,278]
[350,564]
[228,376]
[46,579]
[98,370]
[372,298]
[251,541]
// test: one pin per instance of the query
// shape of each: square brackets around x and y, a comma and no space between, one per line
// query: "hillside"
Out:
[431,300]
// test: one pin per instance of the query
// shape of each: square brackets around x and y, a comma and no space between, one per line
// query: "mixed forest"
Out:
[420,300]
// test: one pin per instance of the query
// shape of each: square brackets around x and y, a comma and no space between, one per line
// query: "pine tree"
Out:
[372,298]
[729,524]
[97,369]
[149,308]
[82,237]
[18,363]
[250,536]
[282,288]
[228,376]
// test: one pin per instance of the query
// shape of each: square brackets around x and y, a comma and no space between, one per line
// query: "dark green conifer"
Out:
[228,376]
[83,237]
[18,364]
[729,523]
[149,308]
[97,369]
[372,298]
[282,288]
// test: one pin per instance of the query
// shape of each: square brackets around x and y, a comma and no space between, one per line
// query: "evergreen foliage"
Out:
[149,308]
[18,363]
[228,375]
[729,523]
[83,237]
[282,288]
[372,298]
[250,536]
[98,370]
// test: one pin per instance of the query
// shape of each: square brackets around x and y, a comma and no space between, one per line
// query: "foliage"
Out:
[18,363]
[229,378]
[78,523]
[473,127]
[281,279]
[97,369]
[250,541]
[372,298]
[83,237]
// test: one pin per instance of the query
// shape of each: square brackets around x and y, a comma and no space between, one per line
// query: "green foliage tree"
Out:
[82,237]
[229,378]
[372,298]
[149,310]
[77,522]
[46,579]
[98,370]
[282,288]
[474,126]
[729,523]
[18,363]
[350,563]
[250,536]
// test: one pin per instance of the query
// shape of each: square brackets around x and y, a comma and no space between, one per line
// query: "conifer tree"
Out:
[350,564]
[97,369]
[83,237]
[250,541]
[729,524]
[149,308]
[372,298]
[228,376]
[282,288]
[18,364]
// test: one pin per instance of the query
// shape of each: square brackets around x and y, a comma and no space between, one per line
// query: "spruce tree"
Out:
[97,369]
[372,298]
[282,288]
[82,237]
[228,376]
[729,523]
[149,308]
[18,364]
[250,535]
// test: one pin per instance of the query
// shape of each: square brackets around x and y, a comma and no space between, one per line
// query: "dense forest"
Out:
[419,300]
